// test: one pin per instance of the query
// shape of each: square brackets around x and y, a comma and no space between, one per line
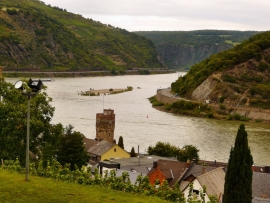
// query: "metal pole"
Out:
[27,139]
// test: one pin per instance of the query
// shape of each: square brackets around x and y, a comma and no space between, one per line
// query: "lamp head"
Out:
[19,85]
[35,85]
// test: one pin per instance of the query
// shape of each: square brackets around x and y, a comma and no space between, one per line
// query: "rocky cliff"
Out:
[183,56]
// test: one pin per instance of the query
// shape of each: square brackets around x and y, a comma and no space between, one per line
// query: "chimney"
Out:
[203,169]
[155,164]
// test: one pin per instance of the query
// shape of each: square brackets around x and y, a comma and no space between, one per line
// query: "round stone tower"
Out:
[105,124]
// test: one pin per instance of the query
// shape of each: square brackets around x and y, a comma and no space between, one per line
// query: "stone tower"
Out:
[105,124]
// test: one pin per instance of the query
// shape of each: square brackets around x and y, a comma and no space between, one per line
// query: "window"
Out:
[196,192]
[114,149]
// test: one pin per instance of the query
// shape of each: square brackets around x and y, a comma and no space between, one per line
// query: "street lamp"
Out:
[35,87]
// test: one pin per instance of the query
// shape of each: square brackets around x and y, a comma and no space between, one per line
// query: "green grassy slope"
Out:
[37,36]
[14,188]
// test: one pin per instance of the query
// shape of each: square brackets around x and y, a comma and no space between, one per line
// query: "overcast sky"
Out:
[148,15]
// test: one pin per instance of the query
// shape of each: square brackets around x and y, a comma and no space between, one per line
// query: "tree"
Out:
[13,121]
[71,149]
[238,179]
[167,150]
[121,142]
[132,152]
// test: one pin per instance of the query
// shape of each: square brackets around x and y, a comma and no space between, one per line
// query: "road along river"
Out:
[140,124]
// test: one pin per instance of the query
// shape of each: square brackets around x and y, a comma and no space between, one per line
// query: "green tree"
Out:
[132,152]
[167,150]
[238,179]
[13,121]
[71,149]
[50,143]
[121,142]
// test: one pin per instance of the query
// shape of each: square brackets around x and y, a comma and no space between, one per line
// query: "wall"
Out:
[157,175]
[196,186]
[165,99]
[118,154]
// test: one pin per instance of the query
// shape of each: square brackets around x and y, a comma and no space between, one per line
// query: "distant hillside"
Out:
[35,36]
[236,77]
[182,49]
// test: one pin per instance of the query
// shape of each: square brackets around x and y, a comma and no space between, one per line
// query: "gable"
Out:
[115,152]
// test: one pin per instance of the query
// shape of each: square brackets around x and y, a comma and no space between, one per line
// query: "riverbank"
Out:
[72,74]
[216,111]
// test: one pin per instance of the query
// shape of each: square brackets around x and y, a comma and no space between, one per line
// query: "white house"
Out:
[213,180]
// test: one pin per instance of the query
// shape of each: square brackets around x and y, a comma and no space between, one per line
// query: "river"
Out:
[141,125]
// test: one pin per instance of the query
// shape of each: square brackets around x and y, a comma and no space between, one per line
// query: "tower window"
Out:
[114,149]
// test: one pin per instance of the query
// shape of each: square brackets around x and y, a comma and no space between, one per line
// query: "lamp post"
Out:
[35,87]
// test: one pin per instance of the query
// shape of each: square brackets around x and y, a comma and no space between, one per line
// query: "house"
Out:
[170,170]
[213,180]
[141,165]
[89,142]
[105,150]
[192,173]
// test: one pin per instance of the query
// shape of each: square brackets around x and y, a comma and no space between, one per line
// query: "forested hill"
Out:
[182,49]
[40,37]
[239,76]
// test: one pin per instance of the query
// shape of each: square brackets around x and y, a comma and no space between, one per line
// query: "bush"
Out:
[221,99]
[222,106]
[210,115]
[12,11]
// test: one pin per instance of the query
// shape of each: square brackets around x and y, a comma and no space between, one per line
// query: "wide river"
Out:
[141,125]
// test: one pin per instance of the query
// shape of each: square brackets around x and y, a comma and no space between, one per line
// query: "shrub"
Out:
[12,11]
[222,106]
[221,99]
[210,115]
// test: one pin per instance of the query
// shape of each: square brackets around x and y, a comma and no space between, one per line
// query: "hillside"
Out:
[35,36]
[236,77]
[182,49]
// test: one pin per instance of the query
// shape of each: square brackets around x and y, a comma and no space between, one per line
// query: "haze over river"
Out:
[140,124]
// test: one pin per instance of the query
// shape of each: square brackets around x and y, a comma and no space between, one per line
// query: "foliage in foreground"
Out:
[55,171]
[41,190]
[142,186]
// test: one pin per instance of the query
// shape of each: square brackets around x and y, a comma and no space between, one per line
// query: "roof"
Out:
[89,142]
[132,176]
[197,170]
[136,161]
[213,163]
[100,148]
[214,181]
[142,168]
[261,169]
[261,185]
[171,169]
[260,200]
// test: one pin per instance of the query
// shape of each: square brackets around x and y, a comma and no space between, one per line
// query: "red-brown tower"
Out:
[105,124]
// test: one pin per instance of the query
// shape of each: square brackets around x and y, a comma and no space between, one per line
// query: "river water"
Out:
[141,125]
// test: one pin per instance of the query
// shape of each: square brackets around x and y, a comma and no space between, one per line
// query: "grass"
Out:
[14,188]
